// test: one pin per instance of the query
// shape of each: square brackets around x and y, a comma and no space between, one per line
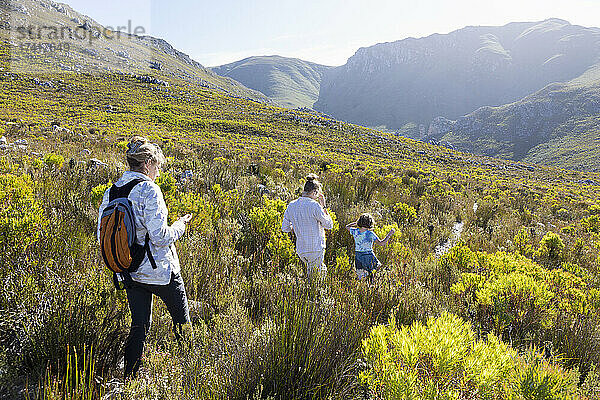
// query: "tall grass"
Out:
[77,382]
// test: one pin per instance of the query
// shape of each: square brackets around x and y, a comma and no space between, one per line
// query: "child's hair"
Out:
[365,221]
[140,150]
[312,183]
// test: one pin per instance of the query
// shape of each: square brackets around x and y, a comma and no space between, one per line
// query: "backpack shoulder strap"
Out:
[149,253]
[117,192]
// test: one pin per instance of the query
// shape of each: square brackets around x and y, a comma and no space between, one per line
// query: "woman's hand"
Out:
[321,199]
[186,218]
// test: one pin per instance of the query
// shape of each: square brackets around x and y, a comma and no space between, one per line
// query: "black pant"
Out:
[139,296]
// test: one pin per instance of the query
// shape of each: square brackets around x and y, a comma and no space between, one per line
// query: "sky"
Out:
[327,32]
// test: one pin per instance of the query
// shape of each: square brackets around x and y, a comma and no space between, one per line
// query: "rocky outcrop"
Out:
[440,126]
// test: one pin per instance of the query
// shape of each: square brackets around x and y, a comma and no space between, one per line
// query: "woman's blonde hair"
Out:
[140,150]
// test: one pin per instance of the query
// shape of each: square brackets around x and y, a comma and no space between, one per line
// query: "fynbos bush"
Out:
[445,360]
[21,216]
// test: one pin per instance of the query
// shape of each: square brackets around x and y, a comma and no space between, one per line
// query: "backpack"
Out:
[120,251]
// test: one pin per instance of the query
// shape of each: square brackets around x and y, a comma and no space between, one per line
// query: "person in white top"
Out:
[163,279]
[308,218]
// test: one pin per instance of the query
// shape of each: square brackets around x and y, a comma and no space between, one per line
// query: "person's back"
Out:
[308,218]
[159,271]
[150,213]
[364,238]
[304,214]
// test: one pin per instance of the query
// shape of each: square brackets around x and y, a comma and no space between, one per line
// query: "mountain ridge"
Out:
[69,41]
[498,91]
[448,75]
[290,82]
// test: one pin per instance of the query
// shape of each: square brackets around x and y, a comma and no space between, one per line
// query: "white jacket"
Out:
[308,220]
[151,217]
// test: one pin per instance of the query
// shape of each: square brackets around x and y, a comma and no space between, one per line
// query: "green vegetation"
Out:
[576,146]
[258,328]
[445,360]
[525,275]
[556,126]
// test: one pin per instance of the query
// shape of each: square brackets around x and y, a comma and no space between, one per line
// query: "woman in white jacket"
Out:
[162,279]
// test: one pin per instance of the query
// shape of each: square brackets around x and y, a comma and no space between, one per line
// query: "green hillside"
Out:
[555,126]
[44,36]
[290,82]
[577,146]
[489,289]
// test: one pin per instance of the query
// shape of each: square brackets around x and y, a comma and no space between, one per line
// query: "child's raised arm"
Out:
[386,239]
[351,225]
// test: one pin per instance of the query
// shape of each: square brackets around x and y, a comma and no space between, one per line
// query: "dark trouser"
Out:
[139,296]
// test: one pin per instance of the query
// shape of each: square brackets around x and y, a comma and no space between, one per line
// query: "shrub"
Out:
[486,211]
[458,259]
[539,379]
[167,184]
[591,224]
[522,242]
[98,193]
[41,331]
[330,328]
[551,248]
[54,160]
[266,226]
[591,384]
[21,216]
[511,294]
[517,301]
[444,360]
[404,214]
[342,264]
[594,209]
[204,213]
[37,163]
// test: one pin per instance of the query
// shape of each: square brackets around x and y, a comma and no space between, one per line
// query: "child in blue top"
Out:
[364,238]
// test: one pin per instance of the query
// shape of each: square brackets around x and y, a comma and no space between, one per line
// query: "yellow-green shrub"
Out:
[98,193]
[404,214]
[551,247]
[440,360]
[445,360]
[167,184]
[266,227]
[54,160]
[204,213]
[508,291]
[21,216]
[522,241]
[591,224]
